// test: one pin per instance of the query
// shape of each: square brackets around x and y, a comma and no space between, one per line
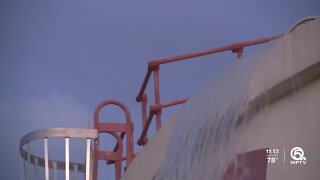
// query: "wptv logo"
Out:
[297,154]
[275,155]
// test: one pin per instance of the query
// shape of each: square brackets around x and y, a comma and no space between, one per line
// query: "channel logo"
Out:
[297,154]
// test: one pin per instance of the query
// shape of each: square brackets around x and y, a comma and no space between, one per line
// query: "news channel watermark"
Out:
[296,156]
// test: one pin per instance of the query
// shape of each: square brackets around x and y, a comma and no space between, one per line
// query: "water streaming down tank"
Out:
[259,120]
[266,103]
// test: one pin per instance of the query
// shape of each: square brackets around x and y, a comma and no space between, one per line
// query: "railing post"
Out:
[46,158]
[88,157]
[95,159]
[55,173]
[36,168]
[29,160]
[144,114]
[67,150]
[157,95]
[22,172]
[75,169]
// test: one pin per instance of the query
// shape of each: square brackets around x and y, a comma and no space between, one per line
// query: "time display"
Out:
[272,155]
[272,151]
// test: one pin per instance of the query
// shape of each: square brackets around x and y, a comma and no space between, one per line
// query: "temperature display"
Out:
[272,155]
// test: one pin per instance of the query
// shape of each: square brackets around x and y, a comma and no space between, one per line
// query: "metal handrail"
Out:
[67,133]
[153,109]
[233,47]
[154,67]
[58,132]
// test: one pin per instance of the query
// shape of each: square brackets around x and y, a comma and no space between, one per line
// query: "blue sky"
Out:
[59,59]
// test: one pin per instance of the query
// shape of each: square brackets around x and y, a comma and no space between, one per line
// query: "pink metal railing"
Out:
[154,67]
[114,129]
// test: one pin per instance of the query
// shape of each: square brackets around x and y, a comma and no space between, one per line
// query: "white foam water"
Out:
[203,142]
[203,138]
[202,145]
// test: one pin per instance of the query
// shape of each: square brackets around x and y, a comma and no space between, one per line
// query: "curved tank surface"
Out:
[276,130]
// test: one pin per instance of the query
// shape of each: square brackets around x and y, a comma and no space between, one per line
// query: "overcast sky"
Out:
[59,59]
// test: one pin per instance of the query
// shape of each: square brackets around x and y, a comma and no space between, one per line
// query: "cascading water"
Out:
[203,144]
[269,99]
[204,141]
